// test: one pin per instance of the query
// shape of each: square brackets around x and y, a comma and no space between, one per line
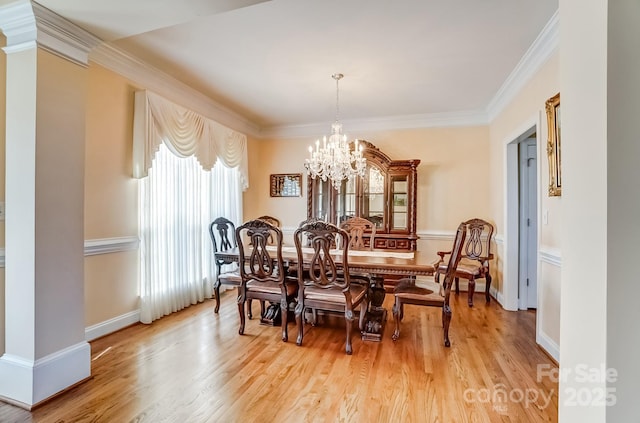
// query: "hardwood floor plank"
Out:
[192,366]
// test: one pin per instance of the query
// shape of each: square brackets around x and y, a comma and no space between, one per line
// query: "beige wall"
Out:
[452,175]
[528,105]
[111,282]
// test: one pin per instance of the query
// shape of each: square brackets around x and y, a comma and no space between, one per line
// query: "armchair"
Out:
[476,256]
[407,292]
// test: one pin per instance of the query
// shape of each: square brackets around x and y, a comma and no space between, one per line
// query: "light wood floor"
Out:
[192,366]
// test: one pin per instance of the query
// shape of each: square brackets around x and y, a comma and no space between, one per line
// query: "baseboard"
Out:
[548,345]
[498,296]
[112,325]
[28,382]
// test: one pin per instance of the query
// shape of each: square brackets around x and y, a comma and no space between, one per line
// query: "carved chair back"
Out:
[272,220]
[260,263]
[478,244]
[222,233]
[323,268]
[359,229]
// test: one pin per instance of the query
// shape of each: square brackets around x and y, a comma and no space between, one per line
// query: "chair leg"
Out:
[299,312]
[396,317]
[472,290]
[446,310]
[241,302]
[487,291]
[216,293]
[348,316]
[284,316]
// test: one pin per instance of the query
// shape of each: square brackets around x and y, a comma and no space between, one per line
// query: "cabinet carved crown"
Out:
[386,196]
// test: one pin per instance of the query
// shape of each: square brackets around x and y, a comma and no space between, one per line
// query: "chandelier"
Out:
[335,160]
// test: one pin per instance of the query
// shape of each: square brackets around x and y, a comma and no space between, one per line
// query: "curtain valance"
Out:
[186,133]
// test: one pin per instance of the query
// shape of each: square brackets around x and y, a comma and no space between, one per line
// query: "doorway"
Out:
[528,224]
[521,225]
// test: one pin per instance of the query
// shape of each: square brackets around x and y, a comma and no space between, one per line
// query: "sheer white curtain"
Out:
[177,201]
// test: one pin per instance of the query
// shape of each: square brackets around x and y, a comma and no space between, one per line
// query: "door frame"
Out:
[511,211]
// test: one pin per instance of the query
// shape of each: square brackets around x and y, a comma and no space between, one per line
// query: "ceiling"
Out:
[272,61]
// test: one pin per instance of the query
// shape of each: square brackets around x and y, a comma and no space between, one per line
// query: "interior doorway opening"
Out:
[521,247]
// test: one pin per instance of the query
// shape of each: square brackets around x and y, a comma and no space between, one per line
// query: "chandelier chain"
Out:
[336,160]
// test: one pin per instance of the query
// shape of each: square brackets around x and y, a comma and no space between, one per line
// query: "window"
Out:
[177,201]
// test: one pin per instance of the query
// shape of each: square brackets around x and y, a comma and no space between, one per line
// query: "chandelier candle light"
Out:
[335,160]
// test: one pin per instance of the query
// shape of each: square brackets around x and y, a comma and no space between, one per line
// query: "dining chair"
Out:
[325,283]
[222,233]
[476,256]
[359,230]
[407,292]
[262,271]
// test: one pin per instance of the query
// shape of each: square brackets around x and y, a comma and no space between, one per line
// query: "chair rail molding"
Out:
[551,256]
[94,247]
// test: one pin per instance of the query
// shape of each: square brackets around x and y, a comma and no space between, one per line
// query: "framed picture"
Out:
[286,185]
[553,145]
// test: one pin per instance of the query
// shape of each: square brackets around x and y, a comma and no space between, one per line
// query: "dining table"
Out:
[377,263]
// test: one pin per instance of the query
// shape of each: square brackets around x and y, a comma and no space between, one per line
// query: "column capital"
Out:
[18,24]
[25,23]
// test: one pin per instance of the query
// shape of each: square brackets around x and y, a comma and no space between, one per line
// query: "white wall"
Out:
[623,205]
[583,81]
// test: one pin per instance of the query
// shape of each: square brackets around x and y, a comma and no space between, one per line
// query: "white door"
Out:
[528,223]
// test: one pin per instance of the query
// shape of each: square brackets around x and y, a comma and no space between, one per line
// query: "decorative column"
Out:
[46,90]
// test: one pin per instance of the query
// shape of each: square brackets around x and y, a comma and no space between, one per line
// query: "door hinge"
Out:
[527,281]
[528,222]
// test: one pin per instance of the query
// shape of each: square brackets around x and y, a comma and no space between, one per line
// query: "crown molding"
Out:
[429,120]
[26,23]
[537,55]
[153,79]
[63,38]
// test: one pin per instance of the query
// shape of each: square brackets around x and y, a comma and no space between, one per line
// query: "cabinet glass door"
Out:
[346,200]
[400,197]
[321,199]
[373,196]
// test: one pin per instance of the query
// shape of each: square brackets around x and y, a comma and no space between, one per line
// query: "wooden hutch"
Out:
[385,196]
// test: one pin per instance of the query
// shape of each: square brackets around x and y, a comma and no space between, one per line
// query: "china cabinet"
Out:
[386,196]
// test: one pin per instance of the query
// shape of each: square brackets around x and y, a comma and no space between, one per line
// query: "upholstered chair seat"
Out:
[273,287]
[357,294]
[466,268]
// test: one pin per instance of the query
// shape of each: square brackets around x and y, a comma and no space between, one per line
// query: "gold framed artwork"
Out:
[286,185]
[553,145]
